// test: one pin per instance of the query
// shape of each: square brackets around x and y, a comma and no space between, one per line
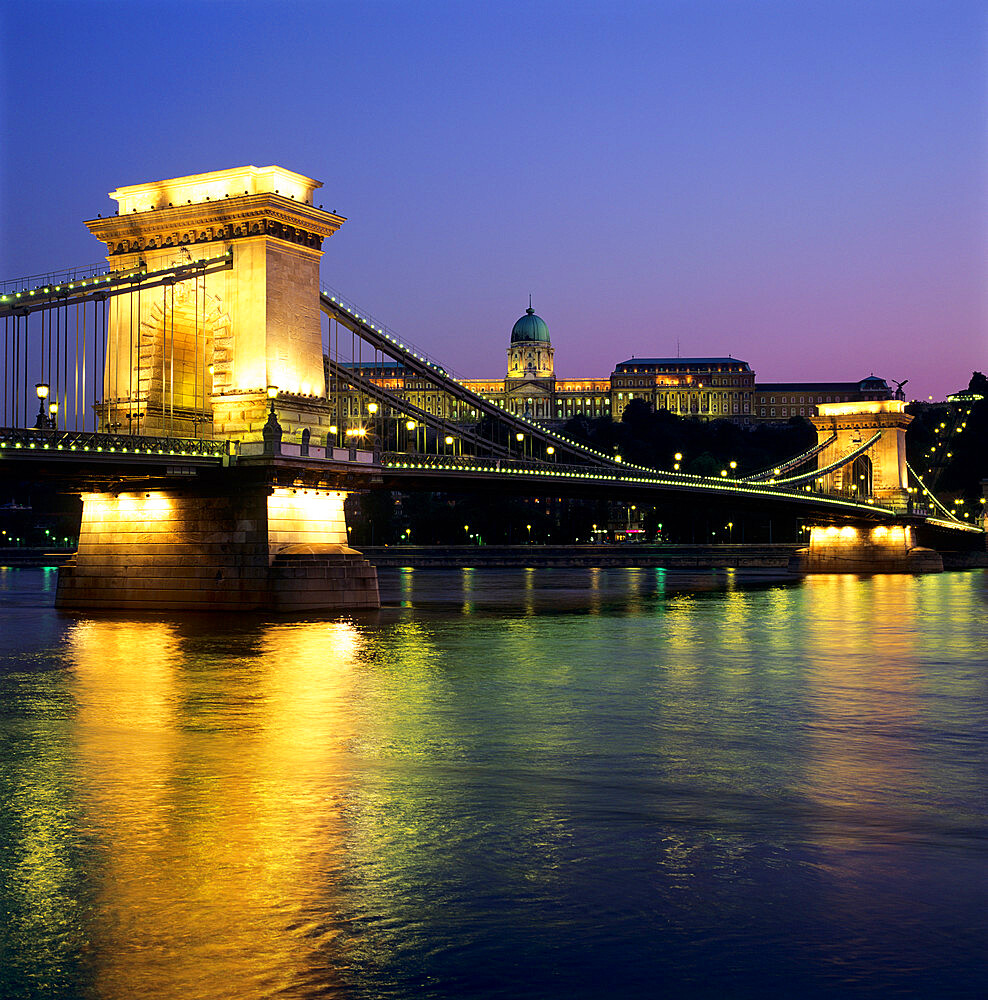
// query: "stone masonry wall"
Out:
[165,550]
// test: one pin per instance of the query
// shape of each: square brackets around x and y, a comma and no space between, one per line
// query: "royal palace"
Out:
[702,388]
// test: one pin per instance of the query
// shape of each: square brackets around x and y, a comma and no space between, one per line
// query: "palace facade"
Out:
[702,388]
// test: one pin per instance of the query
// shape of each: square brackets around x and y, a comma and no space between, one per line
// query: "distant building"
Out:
[775,401]
[706,388]
[702,388]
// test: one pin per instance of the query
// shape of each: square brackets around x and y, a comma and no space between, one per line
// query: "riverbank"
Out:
[774,556]
[670,556]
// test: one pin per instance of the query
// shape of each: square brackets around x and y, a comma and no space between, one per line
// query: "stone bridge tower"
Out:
[197,357]
[880,473]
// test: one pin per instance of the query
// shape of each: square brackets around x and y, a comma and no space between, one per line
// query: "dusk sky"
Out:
[799,184]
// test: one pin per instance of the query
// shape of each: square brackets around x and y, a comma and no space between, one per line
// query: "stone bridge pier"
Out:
[231,545]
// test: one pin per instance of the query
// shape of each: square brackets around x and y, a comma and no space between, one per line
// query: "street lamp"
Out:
[272,395]
[53,413]
[42,390]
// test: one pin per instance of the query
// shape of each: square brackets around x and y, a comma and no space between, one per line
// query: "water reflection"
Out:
[214,791]
[703,782]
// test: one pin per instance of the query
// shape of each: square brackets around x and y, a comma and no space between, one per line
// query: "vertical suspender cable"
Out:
[171,371]
[195,368]
[80,369]
[17,359]
[130,360]
[135,359]
[75,394]
[6,370]
[164,332]
[59,381]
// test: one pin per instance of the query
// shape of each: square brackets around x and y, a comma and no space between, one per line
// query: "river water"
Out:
[506,783]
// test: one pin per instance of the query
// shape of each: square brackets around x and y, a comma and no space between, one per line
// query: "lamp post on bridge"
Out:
[372,409]
[42,390]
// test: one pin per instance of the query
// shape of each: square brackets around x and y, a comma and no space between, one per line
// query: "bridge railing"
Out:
[135,444]
[470,463]
[55,277]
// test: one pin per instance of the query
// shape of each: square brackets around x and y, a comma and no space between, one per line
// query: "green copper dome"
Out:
[530,329]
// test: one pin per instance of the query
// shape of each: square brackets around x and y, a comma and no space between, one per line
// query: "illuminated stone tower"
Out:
[197,356]
[878,475]
[204,351]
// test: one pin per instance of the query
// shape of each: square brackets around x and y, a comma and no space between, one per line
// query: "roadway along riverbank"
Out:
[774,556]
[684,556]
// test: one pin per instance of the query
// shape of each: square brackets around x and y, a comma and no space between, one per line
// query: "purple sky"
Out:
[800,184]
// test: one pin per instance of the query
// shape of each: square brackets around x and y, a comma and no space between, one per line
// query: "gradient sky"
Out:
[800,184]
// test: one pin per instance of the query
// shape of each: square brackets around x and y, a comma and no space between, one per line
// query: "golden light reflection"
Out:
[206,793]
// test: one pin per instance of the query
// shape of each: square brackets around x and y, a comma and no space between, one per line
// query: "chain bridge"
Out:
[191,390]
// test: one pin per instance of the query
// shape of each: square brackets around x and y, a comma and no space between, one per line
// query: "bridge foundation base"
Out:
[864,550]
[260,549]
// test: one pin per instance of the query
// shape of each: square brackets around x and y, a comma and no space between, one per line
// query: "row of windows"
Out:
[787,411]
[679,368]
[807,399]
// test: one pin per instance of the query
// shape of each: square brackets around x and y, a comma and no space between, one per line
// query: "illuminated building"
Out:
[701,388]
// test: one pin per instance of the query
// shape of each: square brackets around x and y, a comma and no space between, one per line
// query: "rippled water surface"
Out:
[543,783]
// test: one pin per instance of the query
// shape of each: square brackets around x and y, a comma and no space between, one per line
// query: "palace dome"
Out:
[530,329]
